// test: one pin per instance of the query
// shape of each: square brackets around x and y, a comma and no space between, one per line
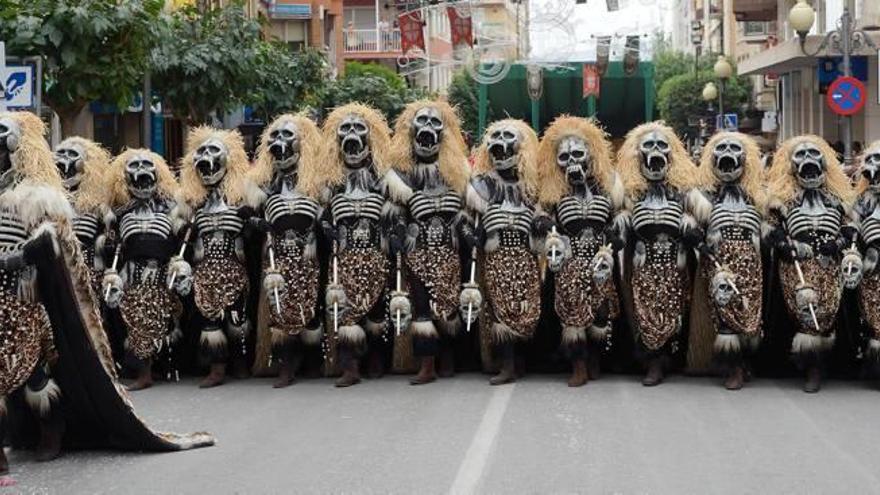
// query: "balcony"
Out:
[371,43]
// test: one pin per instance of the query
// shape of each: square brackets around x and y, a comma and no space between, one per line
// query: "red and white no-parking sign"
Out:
[846,96]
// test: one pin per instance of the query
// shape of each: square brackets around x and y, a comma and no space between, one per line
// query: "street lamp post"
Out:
[846,40]
[723,70]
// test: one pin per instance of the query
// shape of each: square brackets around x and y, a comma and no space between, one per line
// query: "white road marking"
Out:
[470,472]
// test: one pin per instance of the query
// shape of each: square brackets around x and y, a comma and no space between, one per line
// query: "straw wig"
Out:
[453,150]
[552,179]
[752,179]
[192,192]
[783,187]
[92,194]
[862,182]
[527,165]
[32,161]
[681,174]
[311,177]
[380,141]
[117,187]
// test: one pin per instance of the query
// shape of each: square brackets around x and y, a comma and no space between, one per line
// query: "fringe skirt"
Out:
[742,315]
[513,291]
[825,280]
[218,282]
[578,298]
[659,300]
[363,274]
[148,309]
[439,270]
[300,300]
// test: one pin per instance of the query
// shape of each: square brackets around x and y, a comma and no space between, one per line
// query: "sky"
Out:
[561,30]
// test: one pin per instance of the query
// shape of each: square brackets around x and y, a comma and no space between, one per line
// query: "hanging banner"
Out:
[592,81]
[411,34]
[535,81]
[461,27]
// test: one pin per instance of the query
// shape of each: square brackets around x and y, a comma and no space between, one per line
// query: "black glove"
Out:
[707,250]
[614,239]
[397,237]
[541,225]
[849,233]
[829,248]
[692,237]
[602,314]
[776,238]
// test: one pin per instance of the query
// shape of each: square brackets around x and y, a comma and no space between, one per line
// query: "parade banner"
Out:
[411,34]
[461,27]
[592,81]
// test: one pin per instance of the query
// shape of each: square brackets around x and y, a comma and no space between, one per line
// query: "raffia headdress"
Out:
[117,188]
[682,171]
[312,174]
[527,165]
[782,183]
[753,180]
[192,191]
[92,193]
[380,141]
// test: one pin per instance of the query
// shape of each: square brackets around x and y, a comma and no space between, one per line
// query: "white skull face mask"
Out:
[285,147]
[141,176]
[654,149]
[729,163]
[10,137]
[808,165]
[503,147]
[573,158]
[871,170]
[427,133]
[353,134]
[722,288]
[70,160]
[210,160]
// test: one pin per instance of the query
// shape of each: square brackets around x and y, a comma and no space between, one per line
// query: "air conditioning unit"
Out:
[869,18]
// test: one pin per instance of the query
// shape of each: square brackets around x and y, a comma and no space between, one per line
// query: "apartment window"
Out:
[756,28]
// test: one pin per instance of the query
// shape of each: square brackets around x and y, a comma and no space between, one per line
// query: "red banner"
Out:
[411,34]
[461,27]
[592,81]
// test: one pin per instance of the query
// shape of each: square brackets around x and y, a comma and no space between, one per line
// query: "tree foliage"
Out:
[464,95]
[359,69]
[378,91]
[681,97]
[207,61]
[286,81]
[91,49]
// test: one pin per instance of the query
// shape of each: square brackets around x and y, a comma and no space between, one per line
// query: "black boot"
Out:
[144,378]
[51,433]
[507,374]
[654,375]
[814,380]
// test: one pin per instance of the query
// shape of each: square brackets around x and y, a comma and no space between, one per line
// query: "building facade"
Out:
[801,79]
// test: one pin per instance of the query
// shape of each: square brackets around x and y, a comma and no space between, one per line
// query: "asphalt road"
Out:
[462,436]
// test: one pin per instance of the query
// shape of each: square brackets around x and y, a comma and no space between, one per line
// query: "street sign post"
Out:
[846,96]
[727,122]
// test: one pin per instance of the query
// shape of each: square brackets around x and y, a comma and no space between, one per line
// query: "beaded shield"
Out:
[299,300]
[218,282]
[869,300]
[577,295]
[439,269]
[825,281]
[512,278]
[363,274]
[659,301]
[742,315]
[25,336]
[147,308]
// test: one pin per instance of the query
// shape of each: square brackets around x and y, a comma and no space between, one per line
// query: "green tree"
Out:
[360,69]
[681,97]
[208,61]
[91,49]
[374,90]
[464,94]
[287,81]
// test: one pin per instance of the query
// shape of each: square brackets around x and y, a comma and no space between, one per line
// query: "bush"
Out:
[681,97]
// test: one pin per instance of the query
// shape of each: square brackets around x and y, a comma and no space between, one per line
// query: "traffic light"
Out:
[697,32]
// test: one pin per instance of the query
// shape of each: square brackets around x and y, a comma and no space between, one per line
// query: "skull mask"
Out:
[210,161]
[871,170]
[141,176]
[573,158]
[808,164]
[285,146]
[503,147]
[10,137]
[70,160]
[655,156]
[353,134]
[729,163]
[427,132]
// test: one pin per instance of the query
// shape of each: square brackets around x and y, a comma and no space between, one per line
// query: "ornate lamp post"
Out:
[723,70]
[846,40]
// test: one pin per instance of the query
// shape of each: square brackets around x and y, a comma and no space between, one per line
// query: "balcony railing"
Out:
[371,40]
